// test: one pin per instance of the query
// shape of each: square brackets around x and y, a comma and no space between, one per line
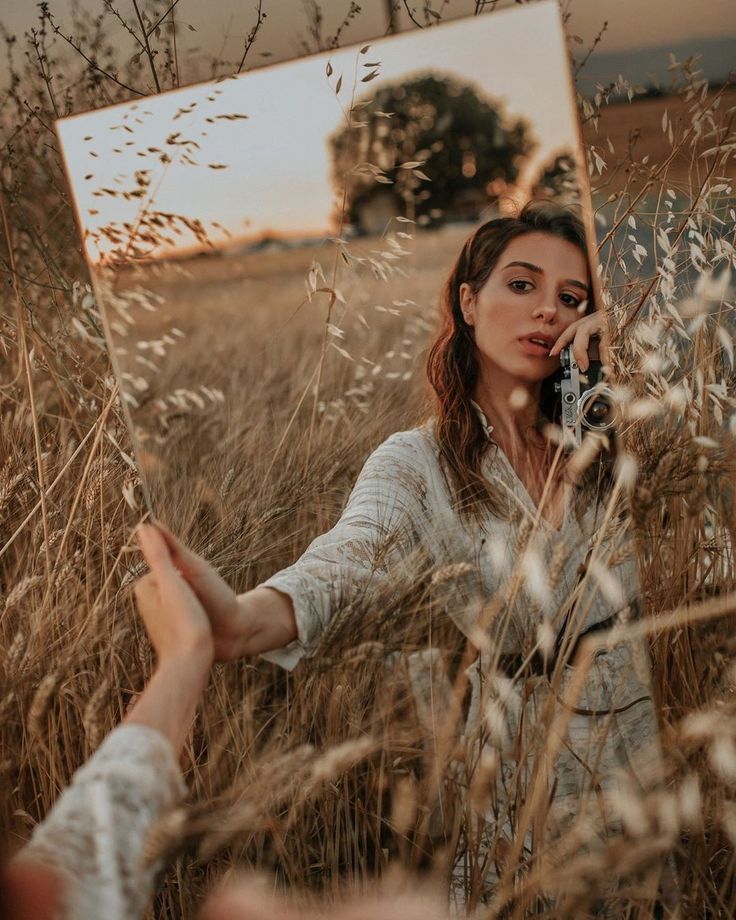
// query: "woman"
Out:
[482,493]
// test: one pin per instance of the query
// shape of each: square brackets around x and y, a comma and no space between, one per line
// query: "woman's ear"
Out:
[467,303]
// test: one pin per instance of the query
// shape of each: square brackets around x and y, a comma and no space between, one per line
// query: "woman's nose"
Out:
[545,310]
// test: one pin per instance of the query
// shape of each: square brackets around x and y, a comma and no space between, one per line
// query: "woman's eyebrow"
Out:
[529,265]
[578,284]
[540,271]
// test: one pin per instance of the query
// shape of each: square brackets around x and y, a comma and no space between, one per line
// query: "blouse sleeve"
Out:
[380,525]
[94,836]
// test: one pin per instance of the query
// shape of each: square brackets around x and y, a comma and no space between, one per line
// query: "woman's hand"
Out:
[175,620]
[250,899]
[259,621]
[580,333]
[218,599]
[181,636]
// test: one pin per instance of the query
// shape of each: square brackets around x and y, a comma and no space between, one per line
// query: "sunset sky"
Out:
[221,26]
[277,175]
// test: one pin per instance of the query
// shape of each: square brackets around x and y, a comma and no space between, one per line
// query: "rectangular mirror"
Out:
[267,250]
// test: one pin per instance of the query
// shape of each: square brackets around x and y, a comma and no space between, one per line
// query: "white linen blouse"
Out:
[95,835]
[401,502]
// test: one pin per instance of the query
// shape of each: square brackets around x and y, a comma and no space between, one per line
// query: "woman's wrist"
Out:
[170,699]
[265,621]
[195,659]
[245,623]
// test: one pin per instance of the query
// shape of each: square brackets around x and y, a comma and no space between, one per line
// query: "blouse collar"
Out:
[488,429]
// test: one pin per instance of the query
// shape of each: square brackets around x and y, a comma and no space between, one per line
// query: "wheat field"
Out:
[330,776]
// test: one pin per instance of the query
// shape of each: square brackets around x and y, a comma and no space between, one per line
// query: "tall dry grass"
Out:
[336,773]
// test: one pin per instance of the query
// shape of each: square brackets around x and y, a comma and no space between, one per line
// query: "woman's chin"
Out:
[525,373]
[534,375]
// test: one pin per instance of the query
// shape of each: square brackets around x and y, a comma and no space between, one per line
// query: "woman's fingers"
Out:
[164,582]
[145,588]
[567,336]
[580,348]
[188,561]
[154,547]
[249,898]
[215,594]
[175,620]
[192,582]
[579,334]
[244,904]
[197,571]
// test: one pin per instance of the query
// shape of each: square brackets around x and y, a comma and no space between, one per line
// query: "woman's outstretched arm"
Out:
[91,843]
[378,527]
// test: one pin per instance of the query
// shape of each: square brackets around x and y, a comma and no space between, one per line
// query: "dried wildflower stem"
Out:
[169,9]
[573,629]
[331,292]
[284,436]
[25,360]
[90,61]
[98,602]
[147,46]
[579,65]
[100,428]
[40,704]
[172,18]
[681,230]
[411,15]
[320,369]
[6,546]
[547,489]
[661,171]
[132,32]
[251,36]
[45,76]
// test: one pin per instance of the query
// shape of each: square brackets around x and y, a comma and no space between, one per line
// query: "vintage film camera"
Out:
[588,402]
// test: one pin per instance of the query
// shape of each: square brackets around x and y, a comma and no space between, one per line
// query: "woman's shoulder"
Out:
[403,470]
[405,460]
[415,445]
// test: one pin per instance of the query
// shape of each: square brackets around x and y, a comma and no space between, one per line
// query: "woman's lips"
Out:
[532,348]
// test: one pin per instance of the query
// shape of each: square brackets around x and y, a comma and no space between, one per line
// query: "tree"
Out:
[434,146]
[558,180]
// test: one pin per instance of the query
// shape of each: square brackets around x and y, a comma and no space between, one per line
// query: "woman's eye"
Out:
[570,300]
[521,284]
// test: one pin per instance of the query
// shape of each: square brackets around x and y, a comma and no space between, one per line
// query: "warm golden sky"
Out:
[221,25]
[277,175]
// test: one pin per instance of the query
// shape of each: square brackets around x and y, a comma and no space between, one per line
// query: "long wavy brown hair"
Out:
[453,364]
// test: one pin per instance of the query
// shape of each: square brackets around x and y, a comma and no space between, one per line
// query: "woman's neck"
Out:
[514,415]
[512,408]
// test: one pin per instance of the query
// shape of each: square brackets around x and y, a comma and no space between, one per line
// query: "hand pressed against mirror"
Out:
[268,253]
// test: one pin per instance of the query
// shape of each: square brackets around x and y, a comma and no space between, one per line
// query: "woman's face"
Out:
[533,294]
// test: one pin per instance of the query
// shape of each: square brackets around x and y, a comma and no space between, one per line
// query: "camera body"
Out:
[588,403]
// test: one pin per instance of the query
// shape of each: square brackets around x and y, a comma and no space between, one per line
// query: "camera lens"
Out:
[597,410]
